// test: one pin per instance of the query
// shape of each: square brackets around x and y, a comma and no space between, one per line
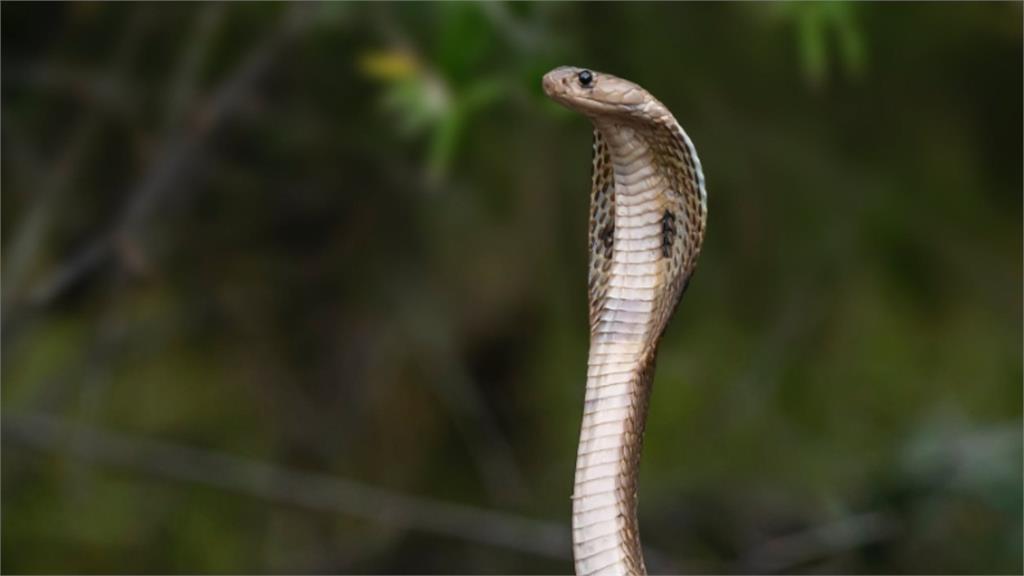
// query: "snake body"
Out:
[648,209]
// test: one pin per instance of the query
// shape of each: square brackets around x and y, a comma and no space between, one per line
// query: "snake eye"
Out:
[586,77]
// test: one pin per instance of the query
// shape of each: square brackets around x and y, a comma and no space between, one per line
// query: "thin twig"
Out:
[97,89]
[53,181]
[462,399]
[305,489]
[787,552]
[95,378]
[183,84]
[177,158]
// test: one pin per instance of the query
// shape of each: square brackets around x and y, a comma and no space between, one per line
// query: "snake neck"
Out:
[647,220]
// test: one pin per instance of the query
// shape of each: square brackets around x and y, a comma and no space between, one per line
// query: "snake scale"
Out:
[648,209]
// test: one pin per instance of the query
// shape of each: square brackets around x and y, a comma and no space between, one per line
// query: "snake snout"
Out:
[550,83]
[558,82]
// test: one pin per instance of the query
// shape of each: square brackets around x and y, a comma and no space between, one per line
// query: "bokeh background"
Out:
[301,288]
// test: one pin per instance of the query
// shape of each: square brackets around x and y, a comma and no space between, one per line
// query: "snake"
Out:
[648,212]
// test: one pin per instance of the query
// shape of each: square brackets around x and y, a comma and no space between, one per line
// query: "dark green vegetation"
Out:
[303,288]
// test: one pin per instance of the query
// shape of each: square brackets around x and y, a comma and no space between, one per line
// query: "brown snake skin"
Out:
[648,209]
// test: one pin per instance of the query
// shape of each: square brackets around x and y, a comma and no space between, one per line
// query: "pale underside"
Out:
[647,222]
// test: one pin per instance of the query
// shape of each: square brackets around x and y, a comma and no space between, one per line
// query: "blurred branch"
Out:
[450,379]
[183,84]
[788,552]
[179,154]
[305,489]
[53,180]
[96,88]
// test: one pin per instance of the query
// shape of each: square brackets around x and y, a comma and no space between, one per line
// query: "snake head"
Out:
[595,93]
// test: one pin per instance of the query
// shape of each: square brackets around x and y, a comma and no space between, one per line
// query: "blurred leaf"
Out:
[851,42]
[816,23]
[464,41]
[481,94]
[812,45]
[443,143]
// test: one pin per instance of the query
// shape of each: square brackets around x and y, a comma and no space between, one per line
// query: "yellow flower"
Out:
[391,65]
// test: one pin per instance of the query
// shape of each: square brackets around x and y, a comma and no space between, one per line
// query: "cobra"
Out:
[648,210]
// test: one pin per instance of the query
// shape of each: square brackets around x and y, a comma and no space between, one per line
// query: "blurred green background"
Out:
[302,288]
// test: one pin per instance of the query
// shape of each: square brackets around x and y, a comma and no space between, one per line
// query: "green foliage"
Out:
[816,24]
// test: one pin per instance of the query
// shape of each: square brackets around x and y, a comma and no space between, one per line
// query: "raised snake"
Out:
[648,209]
